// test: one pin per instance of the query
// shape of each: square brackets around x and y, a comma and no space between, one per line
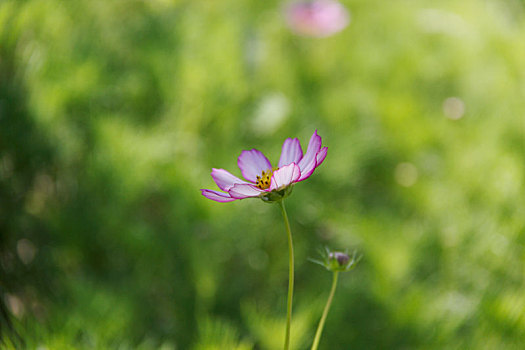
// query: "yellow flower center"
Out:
[263,181]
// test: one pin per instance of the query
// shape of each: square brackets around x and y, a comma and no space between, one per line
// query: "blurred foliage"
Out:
[112,114]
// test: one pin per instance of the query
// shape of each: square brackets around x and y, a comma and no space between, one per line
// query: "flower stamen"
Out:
[263,181]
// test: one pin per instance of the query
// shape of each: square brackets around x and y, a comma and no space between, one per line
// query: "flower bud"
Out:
[341,258]
[338,261]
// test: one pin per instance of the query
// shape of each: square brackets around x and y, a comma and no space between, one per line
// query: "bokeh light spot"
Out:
[406,174]
[454,108]
[26,250]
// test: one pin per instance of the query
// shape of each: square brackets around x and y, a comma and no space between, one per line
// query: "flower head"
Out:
[337,261]
[263,180]
[317,18]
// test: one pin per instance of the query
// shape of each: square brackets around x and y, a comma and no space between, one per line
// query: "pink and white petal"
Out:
[285,176]
[321,156]
[217,196]
[291,152]
[308,163]
[240,191]
[252,163]
[318,160]
[224,179]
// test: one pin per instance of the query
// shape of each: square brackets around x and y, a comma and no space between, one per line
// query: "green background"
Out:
[112,114]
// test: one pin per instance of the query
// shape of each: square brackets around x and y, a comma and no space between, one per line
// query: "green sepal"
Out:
[276,195]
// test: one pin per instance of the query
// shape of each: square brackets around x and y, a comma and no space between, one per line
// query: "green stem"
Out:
[290,277]
[325,313]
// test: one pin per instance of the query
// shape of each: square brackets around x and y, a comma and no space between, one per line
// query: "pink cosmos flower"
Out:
[263,180]
[317,18]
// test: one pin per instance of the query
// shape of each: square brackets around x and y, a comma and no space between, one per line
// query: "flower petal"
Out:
[321,156]
[291,152]
[317,18]
[252,163]
[224,179]
[240,191]
[217,196]
[285,176]
[308,163]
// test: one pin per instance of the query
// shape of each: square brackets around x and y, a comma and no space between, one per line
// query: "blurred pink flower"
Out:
[317,18]
[263,179]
